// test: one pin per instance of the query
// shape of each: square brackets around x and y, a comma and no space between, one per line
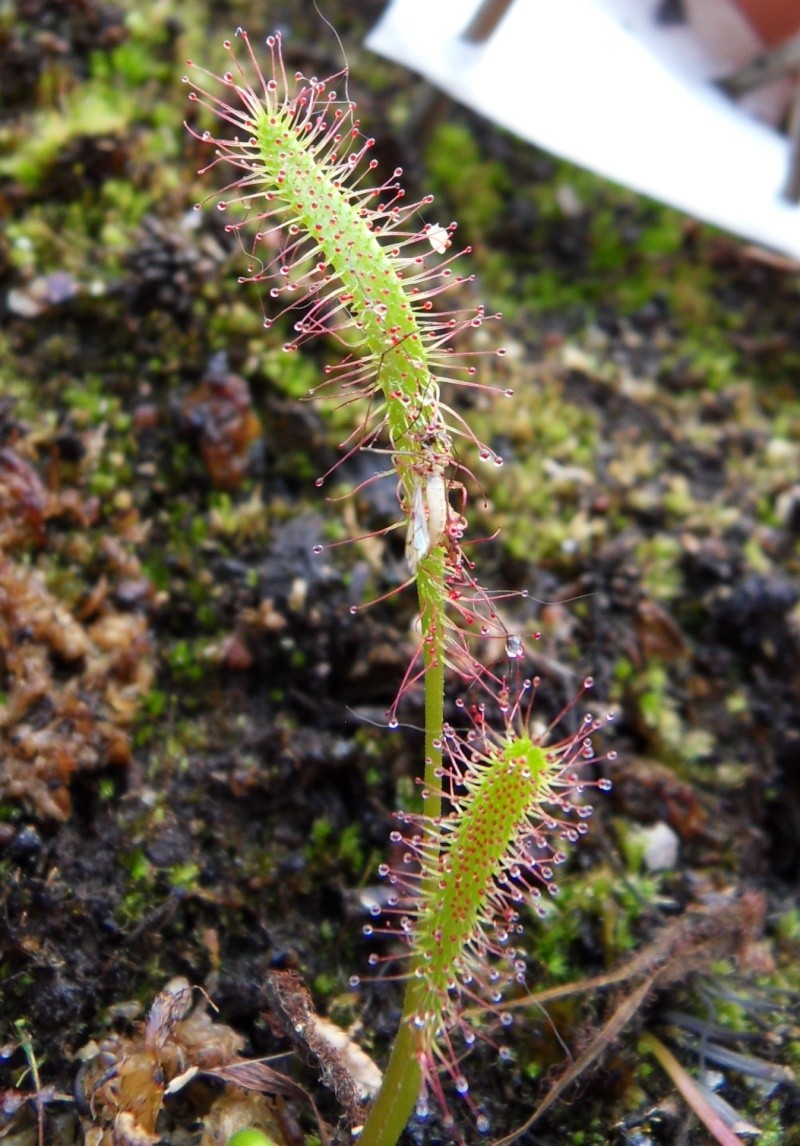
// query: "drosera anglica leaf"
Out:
[354,262]
[516,803]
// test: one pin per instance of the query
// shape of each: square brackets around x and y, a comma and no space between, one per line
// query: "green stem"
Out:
[432,601]
[402,1081]
[399,1090]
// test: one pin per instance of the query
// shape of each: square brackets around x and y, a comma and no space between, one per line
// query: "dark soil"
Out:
[197,780]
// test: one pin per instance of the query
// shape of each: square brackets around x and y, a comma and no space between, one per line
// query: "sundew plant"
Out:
[349,259]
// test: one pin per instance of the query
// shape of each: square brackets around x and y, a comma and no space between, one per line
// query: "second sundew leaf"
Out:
[516,802]
[483,844]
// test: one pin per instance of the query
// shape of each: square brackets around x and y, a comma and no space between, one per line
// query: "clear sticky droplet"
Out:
[514,647]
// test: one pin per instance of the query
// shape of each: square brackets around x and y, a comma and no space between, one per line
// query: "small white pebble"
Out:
[660,846]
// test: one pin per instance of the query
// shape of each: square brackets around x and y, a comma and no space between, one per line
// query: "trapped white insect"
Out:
[428,519]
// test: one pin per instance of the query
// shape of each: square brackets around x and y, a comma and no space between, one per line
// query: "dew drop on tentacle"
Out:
[514,647]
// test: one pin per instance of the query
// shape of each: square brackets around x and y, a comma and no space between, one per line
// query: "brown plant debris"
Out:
[71,677]
[219,412]
[682,948]
[293,1010]
[71,690]
[123,1084]
[121,1088]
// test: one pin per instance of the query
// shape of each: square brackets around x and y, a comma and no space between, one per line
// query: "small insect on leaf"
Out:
[418,539]
[436,498]
[515,649]
[427,522]
[439,238]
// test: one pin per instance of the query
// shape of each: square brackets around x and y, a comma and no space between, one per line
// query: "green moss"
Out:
[91,110]
[184,659]
[320,837]
[326,853]
[293,375]
[106,789]
[477,188]
[350,850]
[613,906]
[89,401]
[788,927]
[537,499]
[184,876]
[659,559]
[325,985]
[140,870]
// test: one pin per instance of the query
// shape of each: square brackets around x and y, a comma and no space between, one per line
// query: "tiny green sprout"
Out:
[250,1136]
